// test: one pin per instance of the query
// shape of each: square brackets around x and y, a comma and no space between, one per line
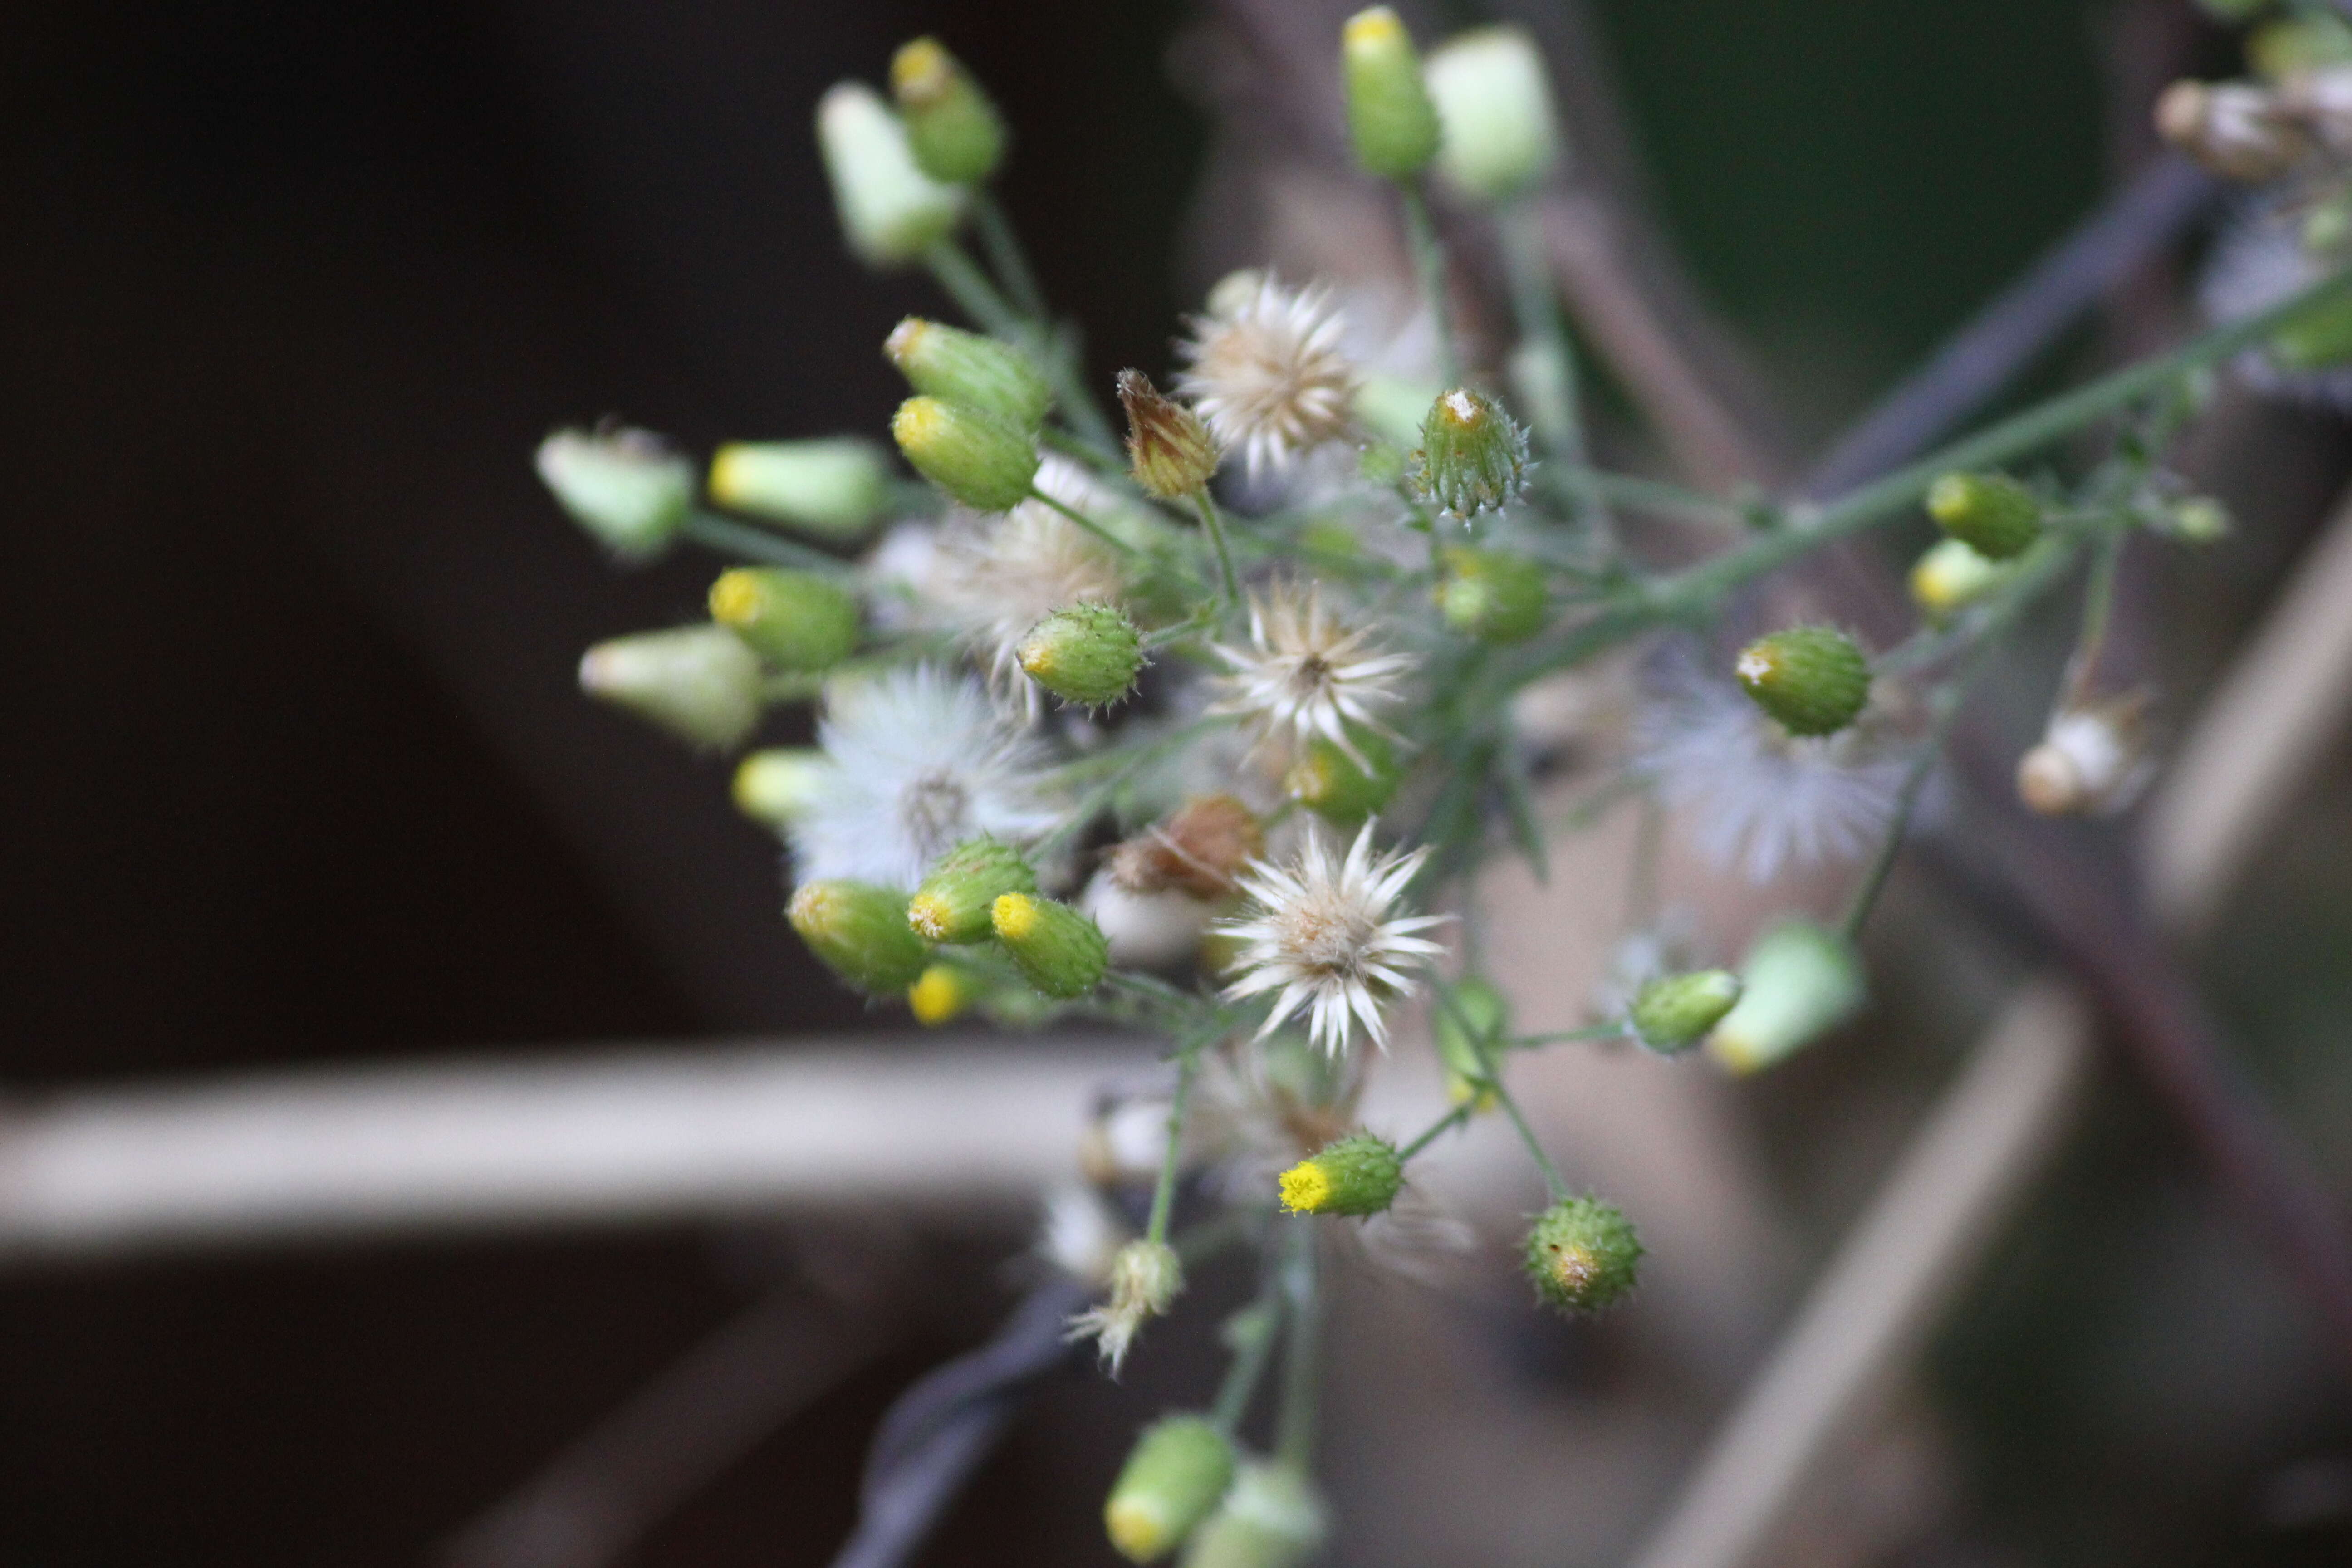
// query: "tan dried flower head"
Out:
[1265,369]
[1197,850]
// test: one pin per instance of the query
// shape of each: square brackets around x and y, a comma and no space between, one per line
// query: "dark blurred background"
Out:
[288,294]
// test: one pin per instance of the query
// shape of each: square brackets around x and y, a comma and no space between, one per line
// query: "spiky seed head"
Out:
[1581,1254]
[625,486]
[982,372]
[1491,594]
[955,900]
[1390,119]
[833,486]
[1086,654]
[891,212]
[797,620]
[1675,1011]
[952,128]
[1799,981]
[1168,449]
[1059,951]
[859,930]
[1173,1479]
[1359,1175]
[700,683]
[1992,513]
[1813,679]
[987,462]
[1473,457]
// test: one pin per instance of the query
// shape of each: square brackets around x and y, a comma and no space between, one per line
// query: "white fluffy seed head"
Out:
[1265,369]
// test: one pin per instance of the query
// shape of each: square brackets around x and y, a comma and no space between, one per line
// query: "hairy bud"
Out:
[776,786]
[1675,1011]
[1390,116]
[1798,982]
[859,932]
[700,683]
[982,372]
[955,902]
[1087,654]
[794,619]
[1059,951]
[833,486]
[1951,576]
[1169,450]
[984,461]
[1176,1474]
[1473,457]
[942,993]
[1271,1518]
[1581,1254]
[625,487]
[1494,102]
[953,129]
[1813,679]
[891,212]
[1359,1175]
[1991,513]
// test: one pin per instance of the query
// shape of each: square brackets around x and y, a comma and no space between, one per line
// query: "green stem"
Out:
[1294,1427]
[1553,1180]
[725,536]
[1429,267]
[1250,1357]
[1210,521]
[1090,524]
[1436,1129]
[1606,1029]
[1085,452]
[2098,603]
[1634,493]
[998,237]
[1548,378]
[1163,1196]
[967,286]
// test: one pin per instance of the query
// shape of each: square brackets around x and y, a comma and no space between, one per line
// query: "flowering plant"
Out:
[1106,734]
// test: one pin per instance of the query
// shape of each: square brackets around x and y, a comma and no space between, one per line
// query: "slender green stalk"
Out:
[1429,267]
[1430,1134]
[967,286]
[1002,243]
[1553,1180]
[790,686]
[1635,492]
[725,536]
[2098,603]
[1216,528]
[964,282]
[1294,1426]
[1250,1357]
[1085,452]
[1083,520]
[1548,362]
[1606,1029]
[1163,1196]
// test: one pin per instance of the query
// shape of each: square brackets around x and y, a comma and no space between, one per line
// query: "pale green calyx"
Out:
[1059,951]
[891,212]
[1581,1254]
[983,461]
[953,129]
[700,683]
[777,785]
[834,486]
[625,486]
[1473,457]
[1175,1475]
[1673,1012]
[1390,116]
[1991,513]
[1798,982]
[955,901]
[1494,102]
[859,930]
[1813,679]
[1087,654]
[1951,576]
[964,367]
[797,620]
[1491,594]
[1359,1175]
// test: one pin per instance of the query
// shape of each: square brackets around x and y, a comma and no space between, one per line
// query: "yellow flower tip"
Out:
[1575,1268]
[1461,410]
[921,71]
[1734,1053]
[1037,658]
[1014,916]
[1138,1530]
[940,996]
[920,422]
[737,599]
[1305,1188]
[1376,28]
[727,476]
[931,916]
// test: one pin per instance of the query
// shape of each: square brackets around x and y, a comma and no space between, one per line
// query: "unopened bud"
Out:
[1469,1025]
[1059,951]
[1087,654]
[1146,1278]
[625,486]
[833,486]
[955,132]
[1581,1254]
[1169,450]
[1359,1175]
[2238,131]
[1813,679]
[776,786]
[1199,850]
[982,372]
[942,993]
[955,901]
[2196,519]
[797,620]
[1798,982]
[984,461]
[1489,595]
[1271,1518]
[1173,1479]
[1494,101]
[1390,117]
[2092,759]
[1992,513]
[1951,576]
[1675,1011]
[700,683]
[1473,457]
[891,212]
[859,932]
[1343,790]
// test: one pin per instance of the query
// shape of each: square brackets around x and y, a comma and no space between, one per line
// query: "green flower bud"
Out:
[1813,679]
[1089,653]
[955,132]
[1581,1254]
[1494,100]
[1951,576]
[984,461]
[1390,117]
[2319,338]
[625,487]
[795,619]
[860,932]
[954,902]
[1358,1174]
[1798,982]
[1177,1472]
[2196,519]
[1479,1019]
[774,786]
[986,373]
[1491,595]
[700,683]
[1058,951]
[1473,457]
[1673,1012]
[1338,788]
[1994,514]
[1168,450]
[1271,1518]
[833,486]
[891,212]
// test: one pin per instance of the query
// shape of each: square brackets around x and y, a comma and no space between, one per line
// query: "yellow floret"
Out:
[927,913]
[940,995]
[1376,27]
[1014,916]
[1137,1529]
[1305,1188]
[737,598]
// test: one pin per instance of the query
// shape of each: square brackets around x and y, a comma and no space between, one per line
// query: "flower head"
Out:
[1266,370]
[1146,1278]
[1305,673]
[918,760]
[1319,931]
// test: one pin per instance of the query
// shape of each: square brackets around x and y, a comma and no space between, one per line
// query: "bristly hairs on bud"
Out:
[954,130]
[833,486]
[1059,951]
[700,683]
[1390,119]
[891,212]
[955,900]
[1146,1278]
[1086,654]
[1168,449]
[983,459]
[1359,1175]
[1581,1254]
[981,372]
[859,930]
[1473,457]
[1174,1477]
[625,486]
[1813,679]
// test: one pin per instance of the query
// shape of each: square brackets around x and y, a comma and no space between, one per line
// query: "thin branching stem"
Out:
[1430,1133]
[1429,268]
[1248,1368]
[1491,1077]
[1002,243]
[1294,1429]
[1163,1196]
[1083,520]
[1216,530]
[742,542]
